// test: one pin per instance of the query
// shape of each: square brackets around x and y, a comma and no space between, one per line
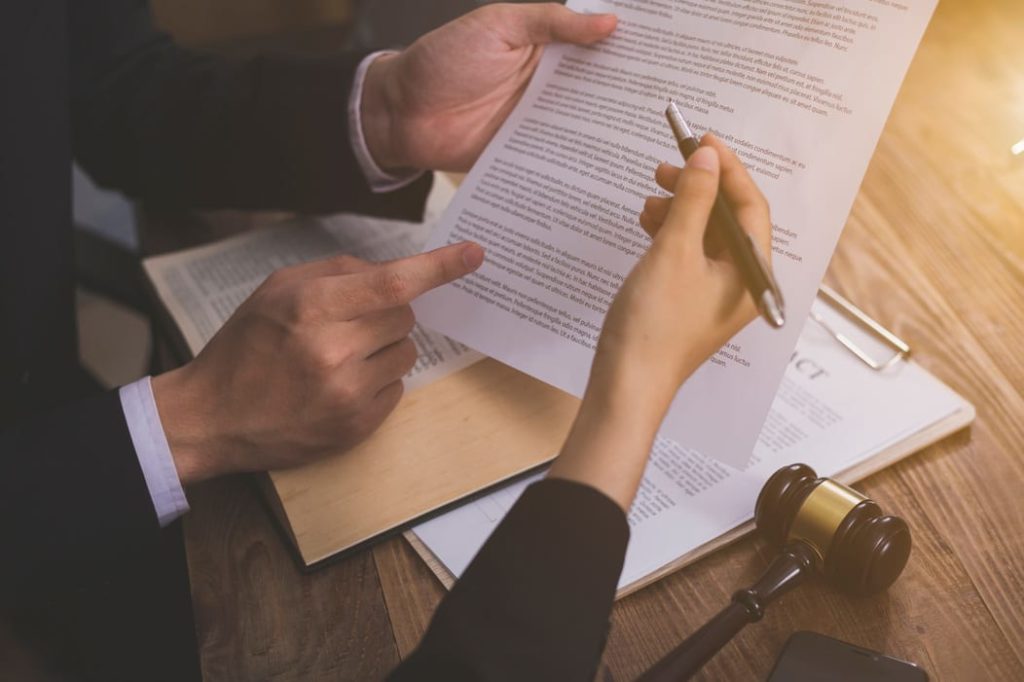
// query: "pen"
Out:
[744,249]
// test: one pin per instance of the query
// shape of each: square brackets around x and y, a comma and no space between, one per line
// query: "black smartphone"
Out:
[810,657]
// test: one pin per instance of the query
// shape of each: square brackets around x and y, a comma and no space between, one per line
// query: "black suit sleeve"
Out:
[182,128]
[86,576]
[534,603]
[71,490]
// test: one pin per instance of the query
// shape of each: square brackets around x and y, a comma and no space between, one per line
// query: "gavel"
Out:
[822,527]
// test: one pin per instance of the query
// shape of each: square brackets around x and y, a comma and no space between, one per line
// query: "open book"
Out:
[832,412]
[465,423]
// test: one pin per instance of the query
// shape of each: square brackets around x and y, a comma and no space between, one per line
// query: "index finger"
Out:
[748,204]
[400,281]
[341,264]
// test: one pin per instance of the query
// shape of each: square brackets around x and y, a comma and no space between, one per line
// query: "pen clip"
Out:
[865,323]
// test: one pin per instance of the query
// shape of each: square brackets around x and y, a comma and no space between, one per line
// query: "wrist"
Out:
[608,445]
[629,392]
[185,425]
[379,108]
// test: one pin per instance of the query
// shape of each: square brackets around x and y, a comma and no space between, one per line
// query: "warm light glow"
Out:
[1018,148]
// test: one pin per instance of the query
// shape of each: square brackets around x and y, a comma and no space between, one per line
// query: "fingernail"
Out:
[705,158]
[472,256]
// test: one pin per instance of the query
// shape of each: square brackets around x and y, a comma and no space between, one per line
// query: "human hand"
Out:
[309,365]
[686,297]
[682,302]
[437,104]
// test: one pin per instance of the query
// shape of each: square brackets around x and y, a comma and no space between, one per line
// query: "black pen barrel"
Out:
[733,234]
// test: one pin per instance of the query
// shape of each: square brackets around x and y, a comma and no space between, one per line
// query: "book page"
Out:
[800,90]
[831,412]
[202,287]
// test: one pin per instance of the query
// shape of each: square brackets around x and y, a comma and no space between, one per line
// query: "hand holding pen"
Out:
[744,250]
[679,305]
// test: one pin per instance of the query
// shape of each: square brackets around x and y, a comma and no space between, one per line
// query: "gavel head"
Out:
[858,549]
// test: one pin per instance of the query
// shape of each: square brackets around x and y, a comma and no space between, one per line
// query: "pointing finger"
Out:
[399,282]
[745,198]
[342,264]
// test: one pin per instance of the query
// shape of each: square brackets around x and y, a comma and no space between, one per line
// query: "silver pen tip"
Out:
[771,310]
[676,120]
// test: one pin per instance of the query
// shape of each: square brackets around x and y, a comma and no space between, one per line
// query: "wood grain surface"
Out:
[935,250]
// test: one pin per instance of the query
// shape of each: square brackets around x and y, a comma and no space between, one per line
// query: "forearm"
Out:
[609,443]
[534,604]
[71,492]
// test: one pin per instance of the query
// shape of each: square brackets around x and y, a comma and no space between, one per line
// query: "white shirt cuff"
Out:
[154,453]
[378,180]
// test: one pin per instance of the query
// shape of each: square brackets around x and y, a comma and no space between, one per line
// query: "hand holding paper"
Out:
[437,104]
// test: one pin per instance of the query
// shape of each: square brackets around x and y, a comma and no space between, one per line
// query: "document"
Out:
[831,412]
[202,287]
[801,91]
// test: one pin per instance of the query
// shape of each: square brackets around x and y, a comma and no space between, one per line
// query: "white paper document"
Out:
[800,90]
[202,287]
[831,412]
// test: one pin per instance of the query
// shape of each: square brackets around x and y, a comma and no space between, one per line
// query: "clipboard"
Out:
[900,348]
[891,350]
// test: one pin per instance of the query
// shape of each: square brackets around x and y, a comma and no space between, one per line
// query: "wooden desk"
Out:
[935,249]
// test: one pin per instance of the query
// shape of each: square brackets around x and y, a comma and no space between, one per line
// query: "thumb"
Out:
[400,281]
[551,22]
[696,191]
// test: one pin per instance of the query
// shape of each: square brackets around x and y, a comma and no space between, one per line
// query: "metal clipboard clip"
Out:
[901,349]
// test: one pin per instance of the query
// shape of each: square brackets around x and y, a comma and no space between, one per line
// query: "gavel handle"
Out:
[787,571]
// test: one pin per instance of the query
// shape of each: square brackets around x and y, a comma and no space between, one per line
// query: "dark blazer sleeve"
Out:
[71,492]
[182,128]
[534,603]
[87,577]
